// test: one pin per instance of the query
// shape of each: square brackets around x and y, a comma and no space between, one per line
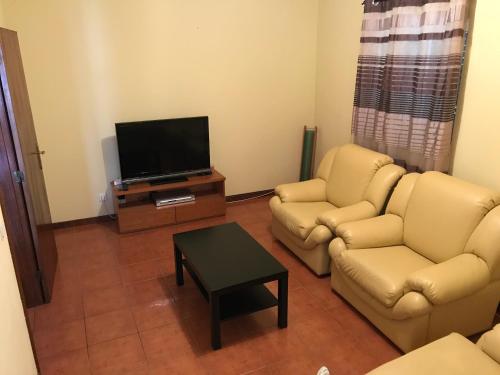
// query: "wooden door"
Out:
[16,219]
[29,164]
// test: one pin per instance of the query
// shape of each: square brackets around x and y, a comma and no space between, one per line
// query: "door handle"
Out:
[38,153]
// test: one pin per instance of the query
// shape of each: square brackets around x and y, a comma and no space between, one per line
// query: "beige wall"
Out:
[477,156]
[248,64]
[339,30]
[16,356]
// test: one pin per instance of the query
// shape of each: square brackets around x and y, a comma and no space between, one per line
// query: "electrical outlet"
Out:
[102,197]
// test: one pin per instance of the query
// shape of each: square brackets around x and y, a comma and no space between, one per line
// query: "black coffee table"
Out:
[230,268]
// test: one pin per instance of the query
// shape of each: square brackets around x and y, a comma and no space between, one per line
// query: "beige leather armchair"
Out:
[351,183]
[429,266]
[451,355]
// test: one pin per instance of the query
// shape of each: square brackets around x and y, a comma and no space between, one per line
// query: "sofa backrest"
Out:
[325,167]
[353,168]
[401,195]
[442,213]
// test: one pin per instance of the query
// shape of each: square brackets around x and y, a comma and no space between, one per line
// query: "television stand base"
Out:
[170,180]
[136,209]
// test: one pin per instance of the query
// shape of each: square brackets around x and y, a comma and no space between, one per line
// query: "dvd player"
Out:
[167,198]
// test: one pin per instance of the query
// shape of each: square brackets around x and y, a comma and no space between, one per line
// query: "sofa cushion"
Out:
[352,170]
[451,355]
[381,272]
[300,218]
[442,213]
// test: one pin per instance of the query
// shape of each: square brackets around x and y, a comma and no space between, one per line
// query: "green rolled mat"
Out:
[308,148]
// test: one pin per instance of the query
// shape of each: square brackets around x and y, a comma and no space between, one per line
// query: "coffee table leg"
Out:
[283,302]
[215,321]
[179,273]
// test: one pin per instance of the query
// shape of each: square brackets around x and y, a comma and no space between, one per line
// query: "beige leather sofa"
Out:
[351,183]
[429,266]
[451,355]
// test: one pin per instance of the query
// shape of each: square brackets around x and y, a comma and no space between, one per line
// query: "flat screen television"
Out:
[163,149]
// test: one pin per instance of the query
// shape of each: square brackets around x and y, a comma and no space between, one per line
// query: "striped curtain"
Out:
[408,80]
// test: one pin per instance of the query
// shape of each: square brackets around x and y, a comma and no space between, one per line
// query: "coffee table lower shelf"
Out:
[240,302]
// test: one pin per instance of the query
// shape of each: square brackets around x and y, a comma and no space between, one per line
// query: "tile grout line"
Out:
[159,276]
[86,338]
[139,335]
[117,337]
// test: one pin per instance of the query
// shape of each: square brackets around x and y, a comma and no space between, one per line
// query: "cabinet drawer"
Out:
[144,216]
[204,206]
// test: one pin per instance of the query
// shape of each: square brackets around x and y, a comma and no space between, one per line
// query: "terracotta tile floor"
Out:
[116,310]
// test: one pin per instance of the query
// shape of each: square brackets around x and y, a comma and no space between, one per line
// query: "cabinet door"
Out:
[29,158]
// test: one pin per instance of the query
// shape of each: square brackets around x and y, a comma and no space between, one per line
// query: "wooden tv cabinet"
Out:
[136,210]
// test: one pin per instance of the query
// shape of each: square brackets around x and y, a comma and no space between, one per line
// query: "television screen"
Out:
[157,149]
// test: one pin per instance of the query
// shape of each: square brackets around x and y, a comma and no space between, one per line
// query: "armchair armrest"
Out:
[451,280]
[490,343]
[305,191]
[381,231]
[359,211]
